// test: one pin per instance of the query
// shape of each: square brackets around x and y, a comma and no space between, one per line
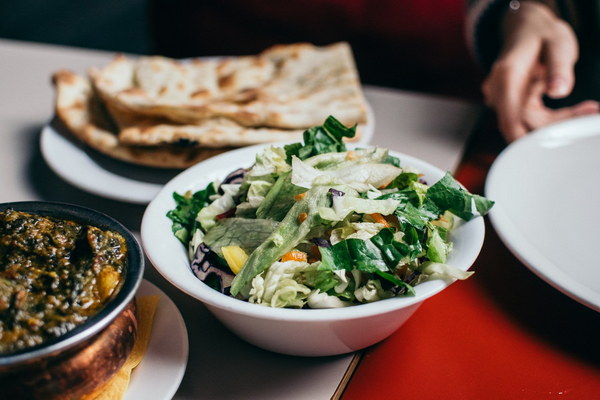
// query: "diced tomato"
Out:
[294,255]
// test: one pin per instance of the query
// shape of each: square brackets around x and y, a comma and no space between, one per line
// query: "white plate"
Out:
[159,374]
[113,179]
[547,193]
[97,174]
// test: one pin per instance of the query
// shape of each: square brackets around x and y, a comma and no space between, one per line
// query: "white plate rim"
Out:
[165,381]
[156,237]
[83,172]
[56,149]
[514,240]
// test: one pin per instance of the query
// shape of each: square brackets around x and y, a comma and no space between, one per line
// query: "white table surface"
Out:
[432,128]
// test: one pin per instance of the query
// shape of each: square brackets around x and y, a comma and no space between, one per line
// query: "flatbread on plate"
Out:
[135,129]
[83,114]
[293,86]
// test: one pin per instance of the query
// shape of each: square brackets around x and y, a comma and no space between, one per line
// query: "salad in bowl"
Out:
[318,225]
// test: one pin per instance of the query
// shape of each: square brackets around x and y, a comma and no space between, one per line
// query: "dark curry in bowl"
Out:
[54,275]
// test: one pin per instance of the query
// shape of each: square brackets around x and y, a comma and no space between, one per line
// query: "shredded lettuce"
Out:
[371,291]
[358,175]
[277,287]
[317,299]
[344,205]
[272,160]
[258,187]
[220,205]
[355,230]
[432,270]
[437,248]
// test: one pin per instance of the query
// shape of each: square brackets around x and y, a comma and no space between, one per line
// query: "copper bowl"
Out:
[82,360]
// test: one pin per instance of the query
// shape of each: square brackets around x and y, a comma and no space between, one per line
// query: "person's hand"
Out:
[538,57]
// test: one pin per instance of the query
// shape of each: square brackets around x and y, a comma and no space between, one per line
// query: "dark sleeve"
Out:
[483,24]
[483,29]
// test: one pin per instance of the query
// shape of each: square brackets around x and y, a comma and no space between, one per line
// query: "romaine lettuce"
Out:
[290,231]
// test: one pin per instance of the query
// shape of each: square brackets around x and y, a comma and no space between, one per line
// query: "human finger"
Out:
[561,52]
[507,88]
[538,117]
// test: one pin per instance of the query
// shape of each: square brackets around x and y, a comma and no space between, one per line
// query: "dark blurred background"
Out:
[405,44]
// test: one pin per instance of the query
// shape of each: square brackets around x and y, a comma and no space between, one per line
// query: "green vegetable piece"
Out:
[327,138]
[318,279]
[417,217]
[395,161]
[336,257]
[246,233]
[403,180]
[447,194]
[406,287]
[289,233]
[367,256]
[437,248]
[377,255]
[279,199]
[185,211]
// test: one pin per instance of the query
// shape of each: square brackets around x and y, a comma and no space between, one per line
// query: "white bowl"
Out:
[291,331]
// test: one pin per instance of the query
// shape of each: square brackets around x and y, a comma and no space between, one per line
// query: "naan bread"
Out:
[82,113]
[286,87]
[161,112]
[209,133]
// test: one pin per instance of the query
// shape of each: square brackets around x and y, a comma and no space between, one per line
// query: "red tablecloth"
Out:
[502,334]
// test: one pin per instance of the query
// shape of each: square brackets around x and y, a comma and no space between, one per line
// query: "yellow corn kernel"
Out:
[235,256]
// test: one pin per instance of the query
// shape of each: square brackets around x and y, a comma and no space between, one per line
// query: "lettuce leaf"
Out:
[447,194]
[437,247]
[279,199]
[183,216]
[290,231]
[351,254]
[317,299]
[327,138]
[361,176]
[380,254]
[403,180]
[432,270]
[243,232]
[344,205]
[272,160]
